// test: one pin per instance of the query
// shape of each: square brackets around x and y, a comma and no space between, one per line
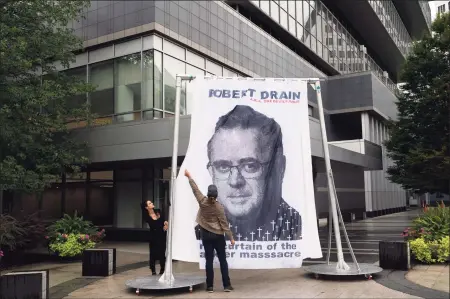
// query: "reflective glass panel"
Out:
[127,71]
[101,75]
[172,67]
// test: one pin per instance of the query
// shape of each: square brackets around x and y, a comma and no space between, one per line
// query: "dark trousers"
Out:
[156,255]
[210,244]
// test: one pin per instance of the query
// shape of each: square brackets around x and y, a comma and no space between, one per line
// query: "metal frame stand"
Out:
[168,280]
[341,267]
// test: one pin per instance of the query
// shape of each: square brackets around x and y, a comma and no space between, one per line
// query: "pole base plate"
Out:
[151,282]
[330,270]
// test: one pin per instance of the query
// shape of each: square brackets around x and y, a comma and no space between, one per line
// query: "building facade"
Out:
[439,7]
[134,49]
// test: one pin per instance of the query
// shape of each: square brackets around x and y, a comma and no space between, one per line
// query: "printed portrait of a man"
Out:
[247,164]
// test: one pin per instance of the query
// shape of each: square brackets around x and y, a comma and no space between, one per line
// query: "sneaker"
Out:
[228,289]
[210,290]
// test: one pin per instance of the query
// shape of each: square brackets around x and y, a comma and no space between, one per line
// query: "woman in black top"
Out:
[158,227]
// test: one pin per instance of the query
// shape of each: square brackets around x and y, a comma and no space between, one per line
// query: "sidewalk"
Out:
[436,277]
[132,259]
[127,253]
[285,283]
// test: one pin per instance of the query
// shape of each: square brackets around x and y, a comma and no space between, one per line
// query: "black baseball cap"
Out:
[212,191]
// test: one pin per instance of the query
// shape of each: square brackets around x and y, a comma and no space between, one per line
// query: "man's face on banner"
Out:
[238,168]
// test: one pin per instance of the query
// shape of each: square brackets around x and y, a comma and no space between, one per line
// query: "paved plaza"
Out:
[431,276]
[248,284]
[132,259]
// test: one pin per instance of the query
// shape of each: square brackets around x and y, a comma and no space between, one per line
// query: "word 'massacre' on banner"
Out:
[250,137]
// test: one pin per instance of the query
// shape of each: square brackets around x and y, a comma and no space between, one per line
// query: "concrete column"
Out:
[365,128]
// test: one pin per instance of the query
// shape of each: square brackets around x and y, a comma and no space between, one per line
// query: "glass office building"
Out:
[134,49]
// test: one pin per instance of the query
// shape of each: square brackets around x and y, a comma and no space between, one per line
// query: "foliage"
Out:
[11,233]
[432,225]
[419,141]
[430,251]
[71,245]
[434,222]
[34,231]
[37,101]
[68,225]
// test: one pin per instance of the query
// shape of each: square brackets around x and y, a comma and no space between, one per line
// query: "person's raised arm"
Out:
[197,193]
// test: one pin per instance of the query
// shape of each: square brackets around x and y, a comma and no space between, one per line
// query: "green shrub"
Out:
[432,225]
[71,225]
[71,245]
[443,249]
[421,250]
[430,251]
[69,236]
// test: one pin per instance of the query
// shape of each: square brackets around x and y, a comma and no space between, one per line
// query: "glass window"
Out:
[265,6]
[306,16]
[283,19]
[174,50]
[214,68]
[152,84]
[101,202]
[329,41]
[172,67]
[299,32]
[79,74]
[274,11]
[292,25]
[127,71]
[319,49]
[228,73]
[319,27]
[299,7]
[75,199]
[313,19]
[76,177]
[101,75]
[195,59]
[291,8]
[313,43]
[192,70]
[51,204]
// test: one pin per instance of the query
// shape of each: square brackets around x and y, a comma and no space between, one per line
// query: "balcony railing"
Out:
[388,15]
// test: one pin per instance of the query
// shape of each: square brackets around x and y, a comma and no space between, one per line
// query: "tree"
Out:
[36,146]
[419,144]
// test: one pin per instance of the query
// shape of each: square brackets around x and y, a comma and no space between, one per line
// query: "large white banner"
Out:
[250,137]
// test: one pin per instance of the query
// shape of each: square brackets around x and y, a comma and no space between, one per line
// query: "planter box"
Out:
[25,285]
[394,255]
[349,217]
[99,262]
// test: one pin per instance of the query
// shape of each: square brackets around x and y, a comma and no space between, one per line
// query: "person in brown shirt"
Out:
[213,225]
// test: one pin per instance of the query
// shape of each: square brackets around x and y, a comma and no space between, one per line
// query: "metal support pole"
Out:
[341,265]
[330,231]
[167,277]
